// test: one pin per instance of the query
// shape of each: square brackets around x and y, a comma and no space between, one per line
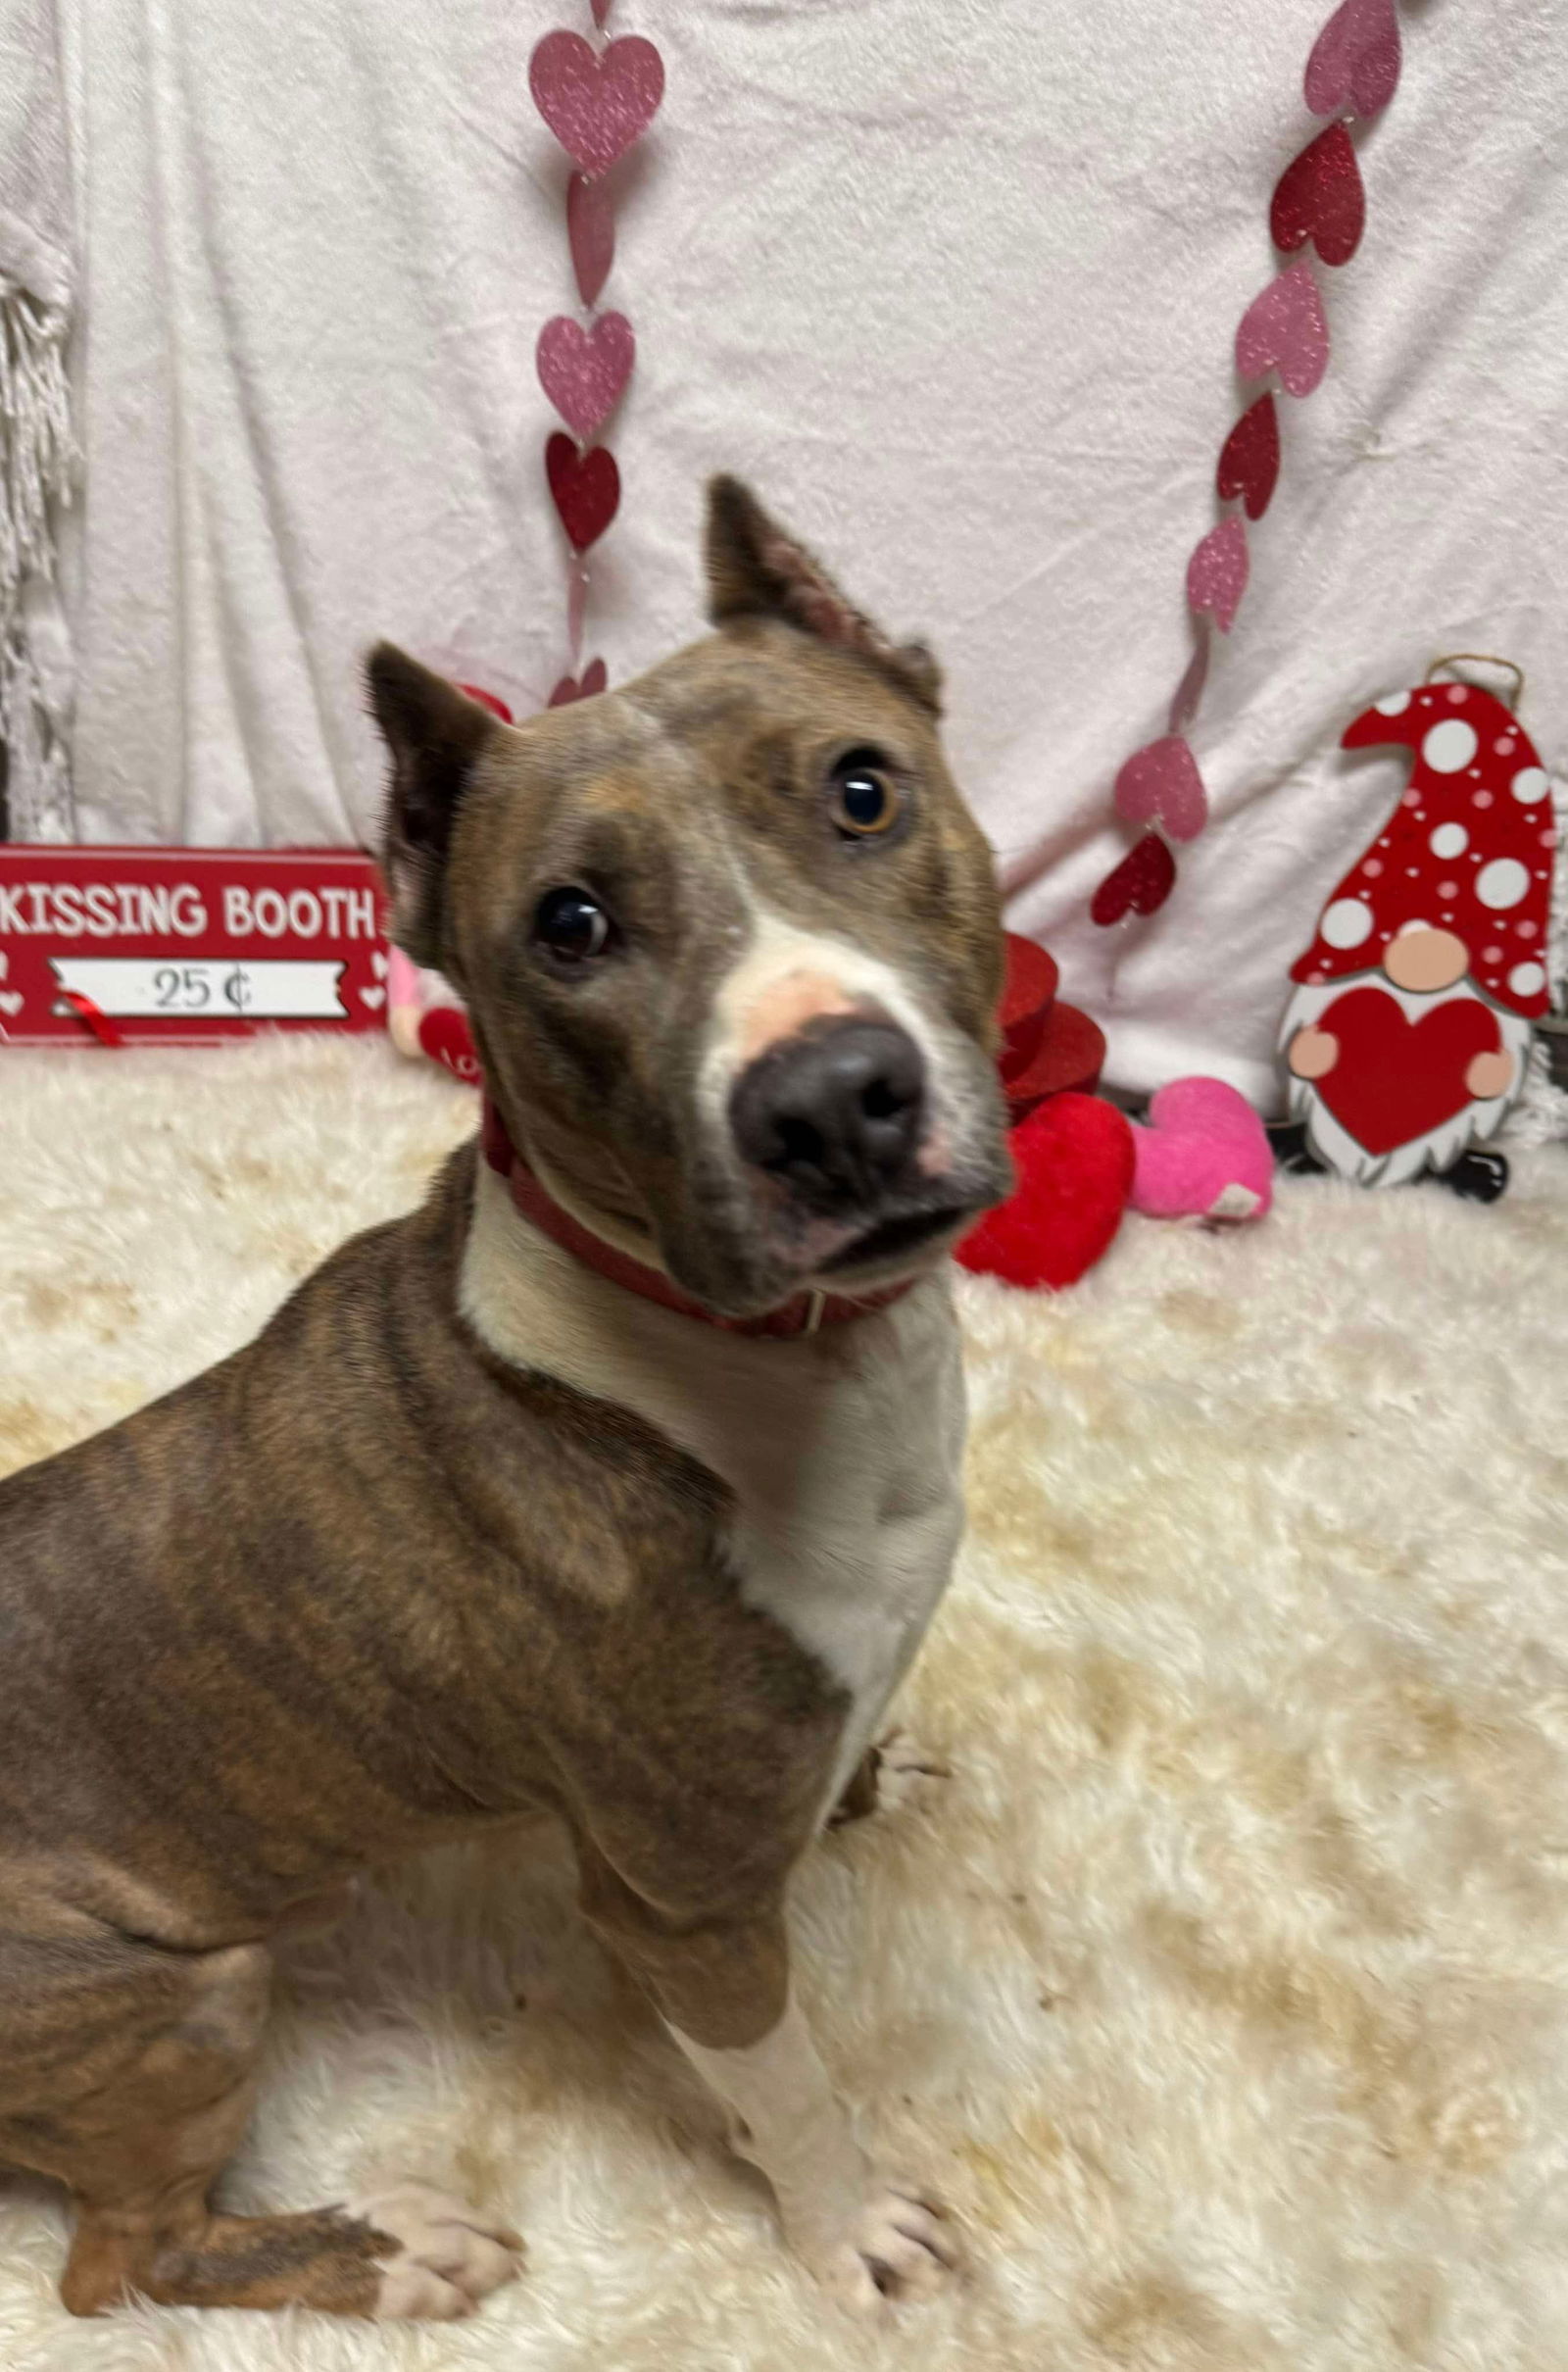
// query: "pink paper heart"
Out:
[1160,784]
[1216,573]
[1283,329]
[587,686]
[1356,60]
[596,104]
[590,234]
[584,371]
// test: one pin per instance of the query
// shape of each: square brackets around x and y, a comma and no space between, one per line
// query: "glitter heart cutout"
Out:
[597,104]
[590,233]
[1139,885]
[1354,60]
[1160,784]
[1283,329]
[1216,578]
[584,372]
[585,488]
[1249,463]
[1319,197]
[587,686]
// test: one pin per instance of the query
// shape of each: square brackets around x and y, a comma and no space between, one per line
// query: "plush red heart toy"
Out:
[1074,1151]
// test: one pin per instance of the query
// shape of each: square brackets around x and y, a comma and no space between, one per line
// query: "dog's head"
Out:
[728,938]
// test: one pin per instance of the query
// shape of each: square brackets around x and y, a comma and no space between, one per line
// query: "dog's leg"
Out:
[140,2082]
[722,1986]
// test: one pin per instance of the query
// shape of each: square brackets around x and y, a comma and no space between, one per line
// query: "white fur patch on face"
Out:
[786,977]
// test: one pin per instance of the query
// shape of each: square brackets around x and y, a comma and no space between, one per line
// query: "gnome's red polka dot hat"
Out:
[1468,850]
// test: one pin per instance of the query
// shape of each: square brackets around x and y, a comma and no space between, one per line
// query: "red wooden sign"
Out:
[180,946]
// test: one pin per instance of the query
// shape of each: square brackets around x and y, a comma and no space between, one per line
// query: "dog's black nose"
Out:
[835,1113]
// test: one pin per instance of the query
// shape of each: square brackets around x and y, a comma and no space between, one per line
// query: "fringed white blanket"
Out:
[36,448]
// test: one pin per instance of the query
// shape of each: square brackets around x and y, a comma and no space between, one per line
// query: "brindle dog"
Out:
[472,1528]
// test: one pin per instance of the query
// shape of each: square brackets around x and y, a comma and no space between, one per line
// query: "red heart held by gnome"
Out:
[584,372]
[1396,1079]
[1355,59]
[1075,1157]
[587,686]
[1249,462]
[590,234]
[1139,885]
[1160,784]
[585,488]
[1285,330]
[596,105]
[1319,196]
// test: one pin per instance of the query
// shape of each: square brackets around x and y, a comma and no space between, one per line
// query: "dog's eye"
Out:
[572,926]
[863,799]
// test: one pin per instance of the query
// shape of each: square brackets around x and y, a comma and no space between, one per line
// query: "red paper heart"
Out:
[1396,1079]
[445,1036]
[1355,59]
[488,700]
[596,104]
[587,686]
[1319,197]
[585,488]
[1139,885]
[584,372]
[1250,464]
[1075,1157]
[590,234]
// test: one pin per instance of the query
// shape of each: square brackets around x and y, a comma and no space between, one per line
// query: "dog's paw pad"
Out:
[448,2254]
[907,1774]
[900,2245]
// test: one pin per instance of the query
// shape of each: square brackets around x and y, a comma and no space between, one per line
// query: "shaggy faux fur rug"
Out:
[1222,1990]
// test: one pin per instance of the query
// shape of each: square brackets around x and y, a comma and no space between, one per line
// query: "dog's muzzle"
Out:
[834,1114]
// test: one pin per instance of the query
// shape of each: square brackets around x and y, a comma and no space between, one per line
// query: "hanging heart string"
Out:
[597,103]
[1319,204]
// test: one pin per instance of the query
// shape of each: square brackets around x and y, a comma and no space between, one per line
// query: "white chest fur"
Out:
[843,1450]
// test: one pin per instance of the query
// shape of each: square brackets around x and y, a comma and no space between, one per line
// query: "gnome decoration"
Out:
[1407,1036]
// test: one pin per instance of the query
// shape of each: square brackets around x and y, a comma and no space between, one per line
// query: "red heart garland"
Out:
[1139,885]
[597,105]
[1319,196]
[584,372]
[590,234]
[585,488]
[1250,464]
[586,686]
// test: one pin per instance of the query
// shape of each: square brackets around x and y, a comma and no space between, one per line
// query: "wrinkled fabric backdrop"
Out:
[954,284]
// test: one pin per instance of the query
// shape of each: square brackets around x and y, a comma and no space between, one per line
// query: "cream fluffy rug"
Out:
[1223,1990]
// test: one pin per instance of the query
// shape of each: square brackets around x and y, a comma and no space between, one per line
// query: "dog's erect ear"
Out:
[435,733]
[756,569]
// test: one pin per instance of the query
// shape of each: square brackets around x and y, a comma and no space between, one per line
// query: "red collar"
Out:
[805,1313]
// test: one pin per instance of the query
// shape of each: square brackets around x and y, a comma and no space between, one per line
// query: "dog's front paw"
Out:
[897,2244]
[447,2256]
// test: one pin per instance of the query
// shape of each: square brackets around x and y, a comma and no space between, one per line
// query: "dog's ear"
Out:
[434,734]
[756,569]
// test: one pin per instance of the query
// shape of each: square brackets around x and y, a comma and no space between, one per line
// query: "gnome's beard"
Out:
[1439,1148]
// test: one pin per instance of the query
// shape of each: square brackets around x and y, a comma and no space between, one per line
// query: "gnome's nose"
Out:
[1426,958]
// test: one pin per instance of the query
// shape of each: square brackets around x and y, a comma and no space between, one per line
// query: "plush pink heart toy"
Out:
[1202,1153]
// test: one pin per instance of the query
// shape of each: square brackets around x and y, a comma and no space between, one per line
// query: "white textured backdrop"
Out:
[954,282]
